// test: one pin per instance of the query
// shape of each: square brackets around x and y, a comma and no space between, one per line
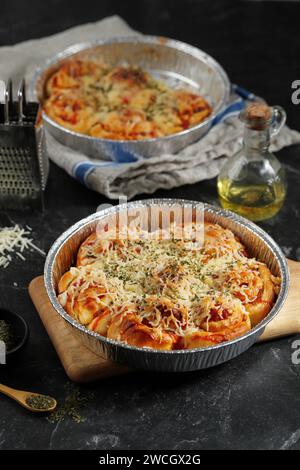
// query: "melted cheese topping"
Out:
[119,103]
[166,284]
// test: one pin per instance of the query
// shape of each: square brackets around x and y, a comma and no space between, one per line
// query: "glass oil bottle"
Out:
[252,182]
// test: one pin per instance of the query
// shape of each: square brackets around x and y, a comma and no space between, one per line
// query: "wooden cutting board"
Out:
[82,365]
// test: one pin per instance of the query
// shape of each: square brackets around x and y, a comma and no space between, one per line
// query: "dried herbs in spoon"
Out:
[40,402]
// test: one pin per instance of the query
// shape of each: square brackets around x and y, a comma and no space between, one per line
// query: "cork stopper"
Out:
[257,116]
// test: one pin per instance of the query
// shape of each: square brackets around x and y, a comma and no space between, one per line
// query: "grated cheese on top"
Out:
[171,284]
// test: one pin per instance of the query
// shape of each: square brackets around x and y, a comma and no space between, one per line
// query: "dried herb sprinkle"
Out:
[6,334]
[75,400]
[40,402]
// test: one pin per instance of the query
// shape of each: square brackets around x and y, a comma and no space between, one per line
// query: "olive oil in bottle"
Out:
[252,182]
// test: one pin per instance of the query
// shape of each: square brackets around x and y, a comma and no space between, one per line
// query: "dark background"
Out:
[251,402]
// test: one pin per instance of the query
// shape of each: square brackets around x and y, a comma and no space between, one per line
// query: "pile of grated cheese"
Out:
[15,241]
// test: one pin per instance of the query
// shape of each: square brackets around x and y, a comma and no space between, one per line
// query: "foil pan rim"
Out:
[284,272]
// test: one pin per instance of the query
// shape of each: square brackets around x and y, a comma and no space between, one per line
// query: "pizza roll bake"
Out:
[167,292]
[119,103]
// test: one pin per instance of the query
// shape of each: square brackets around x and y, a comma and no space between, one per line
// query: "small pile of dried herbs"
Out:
[6,334]
[40,402]
[73,403]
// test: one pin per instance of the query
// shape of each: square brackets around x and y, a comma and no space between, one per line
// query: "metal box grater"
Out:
[23,163]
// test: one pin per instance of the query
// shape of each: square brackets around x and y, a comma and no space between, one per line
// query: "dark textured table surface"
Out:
[251,402]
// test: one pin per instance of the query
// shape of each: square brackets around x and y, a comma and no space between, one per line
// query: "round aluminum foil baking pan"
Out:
[176,63]
[259,244]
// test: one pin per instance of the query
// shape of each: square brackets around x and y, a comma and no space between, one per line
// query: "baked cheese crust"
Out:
[119,103]
[168,292]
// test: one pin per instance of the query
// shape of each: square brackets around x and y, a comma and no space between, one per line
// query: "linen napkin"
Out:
[199,161]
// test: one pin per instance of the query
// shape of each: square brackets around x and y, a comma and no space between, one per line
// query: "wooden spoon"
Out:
[22,397]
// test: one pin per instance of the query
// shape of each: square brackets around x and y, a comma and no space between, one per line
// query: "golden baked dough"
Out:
[260,306]
[224,320]
[131,330]
[72,110]
[119,103]
[167,292]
